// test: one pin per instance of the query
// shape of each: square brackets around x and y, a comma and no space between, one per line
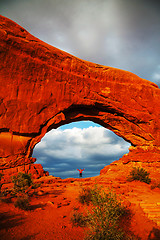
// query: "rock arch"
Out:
[42,87]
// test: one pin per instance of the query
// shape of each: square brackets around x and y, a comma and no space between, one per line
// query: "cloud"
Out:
[61,152]
[156,75]
[118,33]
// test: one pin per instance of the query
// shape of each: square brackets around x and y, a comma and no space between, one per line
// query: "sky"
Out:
[64,150]
[119,33]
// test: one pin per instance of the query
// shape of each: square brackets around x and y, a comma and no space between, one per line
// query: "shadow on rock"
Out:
[154,234]
[32,236]
[10,221]
[37,206]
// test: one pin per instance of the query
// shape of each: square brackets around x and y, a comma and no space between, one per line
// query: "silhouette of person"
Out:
[80,171]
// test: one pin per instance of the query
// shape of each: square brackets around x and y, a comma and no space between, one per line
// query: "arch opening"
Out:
[81,144]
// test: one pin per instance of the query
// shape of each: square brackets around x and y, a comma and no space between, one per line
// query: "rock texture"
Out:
[36,171]
[42,87]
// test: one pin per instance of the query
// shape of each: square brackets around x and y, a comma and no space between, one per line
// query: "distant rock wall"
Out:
[42,87]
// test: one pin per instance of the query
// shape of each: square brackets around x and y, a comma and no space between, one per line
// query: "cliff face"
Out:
[42,87]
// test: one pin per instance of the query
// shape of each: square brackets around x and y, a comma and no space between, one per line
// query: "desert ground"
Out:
[53,203]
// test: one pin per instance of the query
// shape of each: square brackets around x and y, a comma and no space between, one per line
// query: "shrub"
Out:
[155,185]
[78,219]
[85,196]
[139,174]
[104,217]
[22,202]
[22,181]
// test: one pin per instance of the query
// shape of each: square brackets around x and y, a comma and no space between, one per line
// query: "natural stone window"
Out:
[79,145]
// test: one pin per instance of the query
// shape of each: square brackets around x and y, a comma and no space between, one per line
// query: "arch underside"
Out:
[97,114]
[107,119]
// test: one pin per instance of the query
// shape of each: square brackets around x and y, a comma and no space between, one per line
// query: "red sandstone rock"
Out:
[36,171]
[42,87]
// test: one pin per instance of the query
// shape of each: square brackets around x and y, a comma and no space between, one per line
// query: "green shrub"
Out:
[139,174]
[104,217]
[22,182]
[78,219]
[22,202]
[85,196]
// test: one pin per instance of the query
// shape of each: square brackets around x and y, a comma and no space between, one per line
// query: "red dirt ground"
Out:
[52,207]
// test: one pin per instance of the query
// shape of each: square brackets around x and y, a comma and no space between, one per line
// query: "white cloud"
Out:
[155,77]
[63,151]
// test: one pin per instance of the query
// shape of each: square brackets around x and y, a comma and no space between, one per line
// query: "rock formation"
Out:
[42,87]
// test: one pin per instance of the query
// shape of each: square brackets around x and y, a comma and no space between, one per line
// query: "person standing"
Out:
[80,171]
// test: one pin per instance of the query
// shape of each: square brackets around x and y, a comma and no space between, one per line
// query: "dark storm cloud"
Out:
[90,148]
[119,33]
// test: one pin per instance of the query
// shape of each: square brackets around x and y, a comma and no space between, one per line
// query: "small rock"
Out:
[59,205]
[66,204]
[38,209]
[40,193]
[49,202]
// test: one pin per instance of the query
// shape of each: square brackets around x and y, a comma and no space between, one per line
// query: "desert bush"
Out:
[105,215]
[85,196]
[78,219]
[22,202]
[139,174]
[155,185]
[22,182]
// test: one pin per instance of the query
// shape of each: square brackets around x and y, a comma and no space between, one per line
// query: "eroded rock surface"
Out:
[42,87]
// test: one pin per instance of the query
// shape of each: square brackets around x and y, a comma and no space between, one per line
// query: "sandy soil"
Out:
[52,207]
